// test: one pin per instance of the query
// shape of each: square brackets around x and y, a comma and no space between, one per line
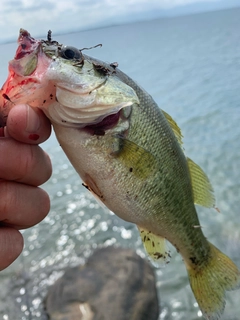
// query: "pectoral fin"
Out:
[202,188]
[138,160]
[155,246]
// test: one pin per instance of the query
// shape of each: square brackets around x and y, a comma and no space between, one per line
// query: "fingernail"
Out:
[33,121]
[33,136]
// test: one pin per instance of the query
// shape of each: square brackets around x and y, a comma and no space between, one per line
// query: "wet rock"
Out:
[114,284]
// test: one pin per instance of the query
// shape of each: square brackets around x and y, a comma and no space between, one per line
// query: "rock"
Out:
[114,284]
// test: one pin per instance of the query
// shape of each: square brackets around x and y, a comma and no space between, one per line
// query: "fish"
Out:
[129,154]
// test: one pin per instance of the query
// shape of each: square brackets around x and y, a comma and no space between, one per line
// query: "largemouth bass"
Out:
[128,153]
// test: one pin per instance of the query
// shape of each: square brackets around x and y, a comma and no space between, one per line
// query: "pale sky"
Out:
[64,16]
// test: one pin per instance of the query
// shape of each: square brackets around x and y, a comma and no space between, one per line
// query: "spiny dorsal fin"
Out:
[174,126]
[156,247]
[202,188]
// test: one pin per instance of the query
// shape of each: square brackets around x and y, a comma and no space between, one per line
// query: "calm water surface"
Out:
[190,65]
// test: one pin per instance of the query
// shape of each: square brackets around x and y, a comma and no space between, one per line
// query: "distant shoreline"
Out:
[162,15]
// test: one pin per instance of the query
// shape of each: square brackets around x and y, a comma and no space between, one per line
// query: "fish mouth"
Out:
[27,44]
[22,74]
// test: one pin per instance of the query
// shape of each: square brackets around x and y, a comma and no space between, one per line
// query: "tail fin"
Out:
[210,283]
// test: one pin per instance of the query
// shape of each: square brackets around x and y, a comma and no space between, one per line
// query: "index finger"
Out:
[23,163]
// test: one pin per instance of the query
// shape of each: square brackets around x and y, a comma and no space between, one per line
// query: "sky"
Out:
[64,16]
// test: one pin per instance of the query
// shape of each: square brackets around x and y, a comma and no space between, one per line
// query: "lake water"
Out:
[191,66]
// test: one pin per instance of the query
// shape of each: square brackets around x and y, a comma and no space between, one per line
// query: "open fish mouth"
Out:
[27,44]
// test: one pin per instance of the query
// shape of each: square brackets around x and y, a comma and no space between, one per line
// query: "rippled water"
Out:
[190,65]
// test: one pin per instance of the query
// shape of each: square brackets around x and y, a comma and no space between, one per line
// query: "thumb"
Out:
[28,125]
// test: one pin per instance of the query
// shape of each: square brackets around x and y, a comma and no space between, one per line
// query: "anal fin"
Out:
[156,247]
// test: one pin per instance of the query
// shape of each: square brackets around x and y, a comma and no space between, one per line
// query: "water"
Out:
[190,65]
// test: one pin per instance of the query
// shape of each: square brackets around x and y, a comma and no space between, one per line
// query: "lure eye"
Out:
[71,53]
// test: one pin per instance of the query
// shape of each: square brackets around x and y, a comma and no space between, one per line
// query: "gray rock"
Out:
[114,284]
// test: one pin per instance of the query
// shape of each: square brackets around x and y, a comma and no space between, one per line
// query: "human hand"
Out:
[23,167]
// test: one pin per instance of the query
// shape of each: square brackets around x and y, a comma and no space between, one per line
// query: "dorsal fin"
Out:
[174,126]
[202,188]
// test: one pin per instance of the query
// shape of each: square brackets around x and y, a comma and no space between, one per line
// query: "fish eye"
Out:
[70,53]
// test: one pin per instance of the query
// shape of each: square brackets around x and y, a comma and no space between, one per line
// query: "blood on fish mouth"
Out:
[26,44]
